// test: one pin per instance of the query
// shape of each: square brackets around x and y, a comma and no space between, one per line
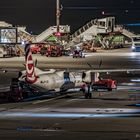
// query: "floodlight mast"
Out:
[57,14]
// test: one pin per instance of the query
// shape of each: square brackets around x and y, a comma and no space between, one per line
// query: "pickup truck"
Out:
[108,84]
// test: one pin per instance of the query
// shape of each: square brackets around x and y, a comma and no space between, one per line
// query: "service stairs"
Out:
[124,31]
[128,33]
[50,31]
[104,44]
[44,35]
[23,35]
[89,28]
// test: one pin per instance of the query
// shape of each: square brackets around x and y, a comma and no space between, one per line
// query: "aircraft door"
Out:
[67,83]
[66,77]
[110,24]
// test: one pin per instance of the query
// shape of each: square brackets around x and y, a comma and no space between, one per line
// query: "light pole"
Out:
[57,14]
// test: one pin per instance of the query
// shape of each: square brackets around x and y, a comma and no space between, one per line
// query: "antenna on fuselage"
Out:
[100,63]
[89,65]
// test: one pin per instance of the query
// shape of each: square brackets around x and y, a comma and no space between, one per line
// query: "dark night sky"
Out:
[38,15]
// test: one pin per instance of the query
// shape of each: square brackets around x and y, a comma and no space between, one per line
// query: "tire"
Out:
[34,52]
[95,89]
[86,96]
[90,95]
[11,99]
[109,89]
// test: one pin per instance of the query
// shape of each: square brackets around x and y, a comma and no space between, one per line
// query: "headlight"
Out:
[133,47]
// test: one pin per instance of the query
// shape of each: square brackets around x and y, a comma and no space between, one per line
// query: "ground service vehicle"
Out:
[8,51]
[78,53]
[43,50]
[35,48]
[3,52]
[136,43]
[108,84]
[66,52]
[20,90]
[15,93]
[12,94]
[54,51]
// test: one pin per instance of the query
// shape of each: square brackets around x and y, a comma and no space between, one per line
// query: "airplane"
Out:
[63,80]
[51,79]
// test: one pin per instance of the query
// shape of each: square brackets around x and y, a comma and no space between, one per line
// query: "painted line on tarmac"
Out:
[13,115]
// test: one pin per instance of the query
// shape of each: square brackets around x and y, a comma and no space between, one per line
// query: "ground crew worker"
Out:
[87,90]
